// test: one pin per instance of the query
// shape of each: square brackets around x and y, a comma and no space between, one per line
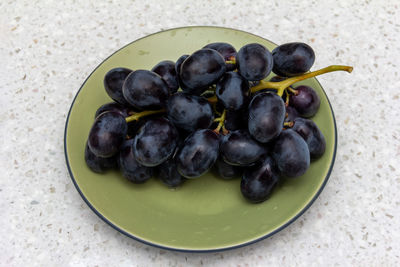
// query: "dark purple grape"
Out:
[254,62]
[227,171]
[239,149]
[236,119]
[113,106]
[166,69]
[113,81]
[312,135]
[291,154]
[107,134]
[97,164]
[169,175]
[227,51]
[233,91]
[178,64]
[155,142]
[189,112]
[266,116]
[259,181]
[202,69]
[130,168]
[198,153]
[145,89]
[292,59]
[306,101]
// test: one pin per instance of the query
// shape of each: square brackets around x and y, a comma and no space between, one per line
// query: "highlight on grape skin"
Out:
[212,108]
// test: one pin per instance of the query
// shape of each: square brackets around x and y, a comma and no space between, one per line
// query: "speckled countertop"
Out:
[47,51]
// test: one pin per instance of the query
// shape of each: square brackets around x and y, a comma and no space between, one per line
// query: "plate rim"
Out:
[301,212]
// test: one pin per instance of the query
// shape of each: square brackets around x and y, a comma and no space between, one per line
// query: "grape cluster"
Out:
[212,108]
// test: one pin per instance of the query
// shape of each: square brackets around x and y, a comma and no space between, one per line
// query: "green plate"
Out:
[205,214]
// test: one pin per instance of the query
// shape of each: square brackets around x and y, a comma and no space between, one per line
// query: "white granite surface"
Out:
[48,48]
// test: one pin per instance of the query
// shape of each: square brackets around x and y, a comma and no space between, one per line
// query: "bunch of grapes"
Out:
[212,108]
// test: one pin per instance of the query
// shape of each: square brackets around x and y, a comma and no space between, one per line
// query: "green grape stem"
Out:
[137,116]
[292,90]
[231,60]
[221,121]
[288,124]
[287,97]
[281,86]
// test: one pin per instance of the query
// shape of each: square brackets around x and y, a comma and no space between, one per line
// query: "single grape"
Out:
[227,171]
[254,62]
[266,116]
[198,153]
[130,168]
[189,112]
[113,106]
[107,134]
[239,149]
[97,164]
[113,81]
[259,181]
[233,91]
[236,119]
[145,89]
[312,135]
[179,62]
[291,154]
[202,69]
[166,69]
[169,175]
[178,65]
[292,114]
[292,59]
[306,101]
[155,142]
[227,51]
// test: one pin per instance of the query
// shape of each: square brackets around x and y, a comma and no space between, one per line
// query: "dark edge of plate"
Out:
[194,250]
